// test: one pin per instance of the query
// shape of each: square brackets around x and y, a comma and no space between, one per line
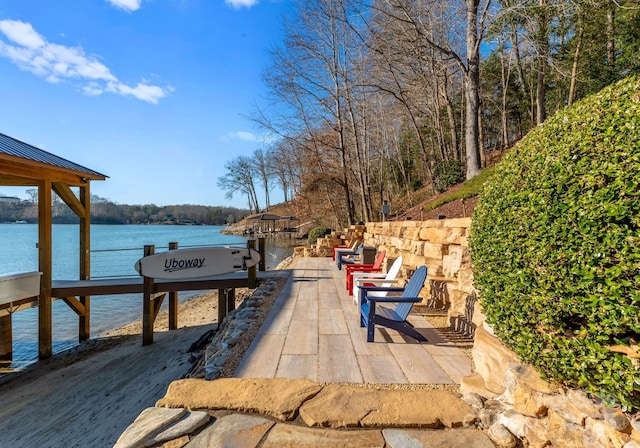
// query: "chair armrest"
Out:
[361,274]
[356,267]
[366,289]
[375,281]
[393,299]
[342,253]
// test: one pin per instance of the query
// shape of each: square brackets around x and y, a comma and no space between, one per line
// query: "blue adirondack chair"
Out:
[395,318]
[348,256]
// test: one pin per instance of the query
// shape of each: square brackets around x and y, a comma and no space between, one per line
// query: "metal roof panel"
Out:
[17,148]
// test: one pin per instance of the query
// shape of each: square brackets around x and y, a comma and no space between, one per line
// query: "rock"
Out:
[339,406]
[562,432]
[289,436]
[192,422]
[419,438]
[233,431]
[574,406]
[474,400]
[279,398]
[176,443]
[149,422]
[492,358]
[489,414]
[616,419]
[599,434]
[526,391]
[501,436]
[474,384]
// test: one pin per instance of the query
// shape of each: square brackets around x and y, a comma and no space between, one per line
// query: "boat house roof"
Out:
[22,164]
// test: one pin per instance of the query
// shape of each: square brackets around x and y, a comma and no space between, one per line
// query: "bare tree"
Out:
[263,172]
[240,178]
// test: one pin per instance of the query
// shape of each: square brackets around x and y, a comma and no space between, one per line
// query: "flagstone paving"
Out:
[313,331]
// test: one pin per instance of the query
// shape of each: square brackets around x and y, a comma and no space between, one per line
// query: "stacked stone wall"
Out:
[440,245]
[514,402]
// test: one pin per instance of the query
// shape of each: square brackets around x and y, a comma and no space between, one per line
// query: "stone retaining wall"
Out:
[442,246]
[514,402]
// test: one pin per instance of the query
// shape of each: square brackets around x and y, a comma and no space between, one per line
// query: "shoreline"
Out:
[88,395]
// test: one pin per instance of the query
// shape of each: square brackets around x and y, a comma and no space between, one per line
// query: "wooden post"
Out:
[173,300]
[222,306]
[45,340]
[84,321]
[148,310]
[6,338]
[252,270]
[262,250]
[231,299]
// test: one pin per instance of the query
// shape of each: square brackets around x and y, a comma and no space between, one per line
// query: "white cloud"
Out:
[55,63]
[127,5]
[21,33]
[144,92]
[243,135]
[237,4]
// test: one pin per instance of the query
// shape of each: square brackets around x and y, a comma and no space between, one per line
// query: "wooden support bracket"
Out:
[75,305]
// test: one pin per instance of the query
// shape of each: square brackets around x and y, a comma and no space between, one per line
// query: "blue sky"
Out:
[152,93]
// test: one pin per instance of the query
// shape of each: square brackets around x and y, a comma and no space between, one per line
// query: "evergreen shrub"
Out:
[447,174]
[555,246]
[317,232]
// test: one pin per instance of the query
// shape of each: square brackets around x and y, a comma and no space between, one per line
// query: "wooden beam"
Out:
[37,172]
[262,250]
[173,300]
[69,198]
[6,338]
[45,342]
[231,299]
[84,321]
[222,306]
[158,298]
[32,169]
[252,272]
[75,305]
[8,180]
[148,310]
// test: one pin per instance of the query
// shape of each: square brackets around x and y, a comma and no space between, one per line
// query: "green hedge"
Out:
[555,246]
[317,232]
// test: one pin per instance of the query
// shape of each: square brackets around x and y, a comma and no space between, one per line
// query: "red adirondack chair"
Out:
[376,266]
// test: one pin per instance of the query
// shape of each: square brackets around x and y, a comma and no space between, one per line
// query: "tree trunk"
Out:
[611,44]
[543,52]
[576,55]
[472,130]
[453,135]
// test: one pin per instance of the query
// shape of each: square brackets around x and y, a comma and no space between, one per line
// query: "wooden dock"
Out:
[76,294]
[313,332]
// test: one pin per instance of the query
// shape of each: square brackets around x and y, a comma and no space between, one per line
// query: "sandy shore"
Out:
[87,396]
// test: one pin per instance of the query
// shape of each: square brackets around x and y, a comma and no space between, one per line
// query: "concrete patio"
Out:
[313,332]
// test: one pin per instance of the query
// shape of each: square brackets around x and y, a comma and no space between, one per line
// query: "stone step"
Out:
[301,413]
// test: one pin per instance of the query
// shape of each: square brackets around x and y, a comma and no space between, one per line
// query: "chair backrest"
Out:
[392,273]
[358,251]
[378,263]
[415,284]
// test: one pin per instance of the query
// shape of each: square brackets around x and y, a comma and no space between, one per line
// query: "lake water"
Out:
[114,251]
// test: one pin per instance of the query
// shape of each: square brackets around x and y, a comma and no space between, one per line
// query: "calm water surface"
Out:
[114,251]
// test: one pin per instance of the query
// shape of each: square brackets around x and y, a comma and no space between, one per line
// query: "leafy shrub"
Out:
[317,232]
[555,246]
[447,174]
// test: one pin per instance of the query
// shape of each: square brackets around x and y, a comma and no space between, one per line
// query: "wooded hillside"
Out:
[103,211]
[371,101]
